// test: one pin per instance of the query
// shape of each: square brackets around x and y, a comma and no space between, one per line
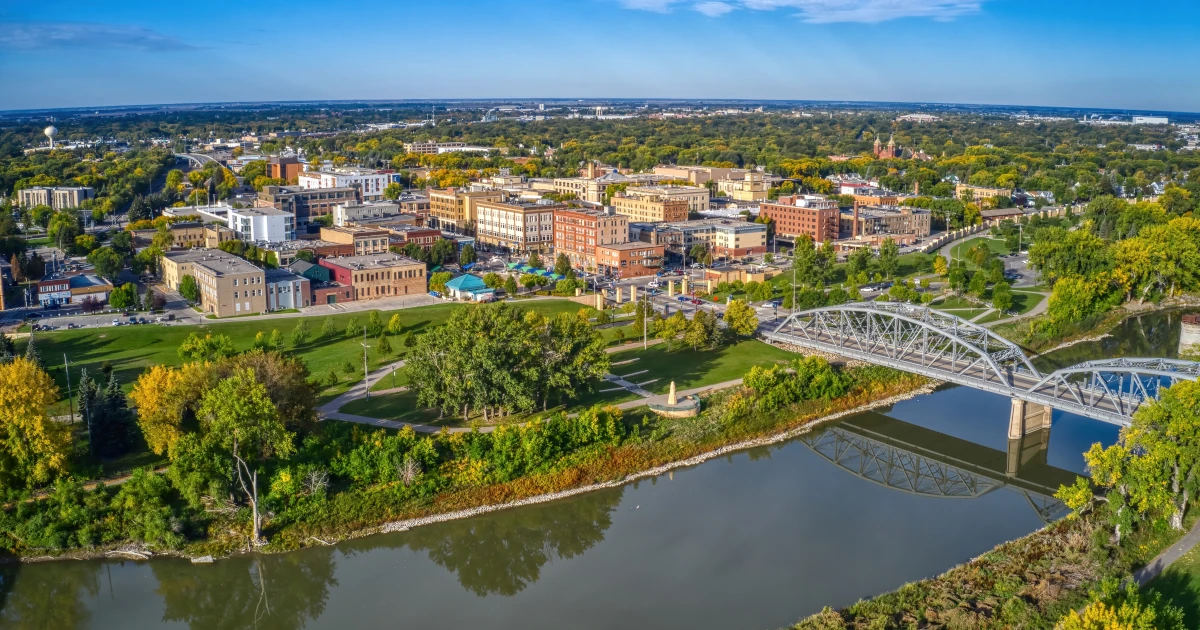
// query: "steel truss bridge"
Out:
[911,459]
[924,341]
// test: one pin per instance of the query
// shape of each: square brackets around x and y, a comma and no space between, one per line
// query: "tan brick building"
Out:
[516,227]
[650,210]
[365,241]
[373,277]
[455,210]
[629,260]
[578,232]
[230,286]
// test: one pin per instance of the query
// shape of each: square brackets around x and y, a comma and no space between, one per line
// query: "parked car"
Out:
[776,303]
[696,302]
[683,298]
[116,322]
[142,320]
[435,294]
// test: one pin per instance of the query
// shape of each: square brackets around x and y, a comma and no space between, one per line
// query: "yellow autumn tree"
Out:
[163,396]
[34,448]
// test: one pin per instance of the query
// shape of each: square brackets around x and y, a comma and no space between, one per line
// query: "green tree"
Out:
[859,261]
[702,332]
[535,261]
[1002,297]
[124,296]
[671,329]
[374,324]
[437,281]
[510,285]
[277,342]
[468,255]
[741,318]
[383,346]
[207,348]
[108,262]
[394,325]
[698,252]
[805,260]
[889,257]
[393,191]
[978,284]
[562,265]
[353,328]
[300,333]
[328,328]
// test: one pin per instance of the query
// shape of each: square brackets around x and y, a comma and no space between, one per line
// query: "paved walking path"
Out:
[661,399]
[1033,312]
[1156,566]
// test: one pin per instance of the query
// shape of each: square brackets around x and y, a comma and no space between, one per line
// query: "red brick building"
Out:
[797,215]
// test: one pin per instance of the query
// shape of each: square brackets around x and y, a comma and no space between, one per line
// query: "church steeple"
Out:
[892,142]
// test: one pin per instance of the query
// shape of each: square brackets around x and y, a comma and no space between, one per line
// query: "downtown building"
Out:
[579,232]
[803,215]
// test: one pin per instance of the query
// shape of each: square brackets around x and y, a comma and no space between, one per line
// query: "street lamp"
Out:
[366,383]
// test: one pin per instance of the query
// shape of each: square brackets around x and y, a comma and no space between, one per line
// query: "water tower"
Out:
[50,132]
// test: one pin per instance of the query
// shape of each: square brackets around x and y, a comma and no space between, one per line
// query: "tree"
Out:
[240,419]
[16,263]
[562,265]
[276,341]
[805,260]
[978,284]
[352,328]
[510,286]
[889,257]
[374,324]
[698,251]
[859,261]
[124,296]
[702,332]
[110,423]
[939,266]
[437,281]
[165,397]
[492,280]
[34,448]
[207,348]
[535,261]
[300,333]
[671,329]
[1002,297]
[383,346]
[410,339]
[741,318]
[328,328]
[394,325]
[32,355]
[468,254]
[1131,609]
[393,191]
[306,256]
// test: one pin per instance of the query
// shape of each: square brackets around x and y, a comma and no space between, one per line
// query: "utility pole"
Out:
[366,383]
[646,323]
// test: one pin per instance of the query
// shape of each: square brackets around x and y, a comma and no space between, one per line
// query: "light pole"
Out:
[366,383]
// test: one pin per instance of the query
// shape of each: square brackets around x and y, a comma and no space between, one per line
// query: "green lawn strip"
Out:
[1180,583]
[959,252]
[954,303]
[690,368]
[132,349]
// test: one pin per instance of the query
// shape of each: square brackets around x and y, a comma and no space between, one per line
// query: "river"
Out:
[758,539]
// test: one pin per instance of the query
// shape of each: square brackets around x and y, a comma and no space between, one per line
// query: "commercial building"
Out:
[402,235]
[348,213]
[695,197]
[454,210]
[629,260]
[414,204]
[286,290]
[431,148]
[578,232]
[286,252]
[516,227]
[872,196]
[175,265]
[650,209]
[1151,120]
[59,289]
[723,238]
[365,241]
[315,273]
[373,277]
[884,220]
[229,286]
[799,215]
[269,225]
[304,204]
[189,234]
[285,169]
[978,193]
[699,175]
[57,197]
[750,187]
[370,182]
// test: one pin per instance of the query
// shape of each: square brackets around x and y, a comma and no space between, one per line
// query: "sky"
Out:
[1075,53]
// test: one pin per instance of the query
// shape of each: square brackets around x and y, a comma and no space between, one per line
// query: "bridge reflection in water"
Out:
[920,461]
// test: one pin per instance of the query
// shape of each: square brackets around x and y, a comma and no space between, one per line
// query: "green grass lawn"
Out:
[38,242]
[688,368]
[132,349]
[953,303]
[1180,583]
[959,252]
[911,265]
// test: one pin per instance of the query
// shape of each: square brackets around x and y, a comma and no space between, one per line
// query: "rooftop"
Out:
[296,245]
[733,224]
[627,246]
[226,266]
[280,275]
[260,212]
[195,255]
[354,229]
[378,261]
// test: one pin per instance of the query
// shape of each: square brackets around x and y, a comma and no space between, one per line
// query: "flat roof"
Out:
[226,266]
[260,211]
[367,261]
[629,245]
[296,245]
[279,275]
[194,255]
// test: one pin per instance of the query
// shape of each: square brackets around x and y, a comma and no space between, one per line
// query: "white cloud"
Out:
[41,35]
[828,11]
[712,9]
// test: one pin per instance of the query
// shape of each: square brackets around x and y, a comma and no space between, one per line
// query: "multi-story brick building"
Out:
[871,220]
[379,276]
[629,260]
[798,215]
[723,238]
[365,241]
[229,286]
[578,232]
[696,197]
[749,187]
[641,209]
[455,210]
[57,197]
[402,235]
[285,169]
[516,227]
[306,205]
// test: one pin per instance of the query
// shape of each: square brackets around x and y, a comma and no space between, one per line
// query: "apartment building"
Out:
[365,241]
[629,260]
[370,182]
[286,290]
[269,225]
[414,204]
[304,204]
[699,175]
[650,209]
[724,238]
[285,169]
[798,215]
[379,276]
[229,286]
[57,197]
[431,148]
[750,187]
[697,197]
[870,220]
[578,232]
[516,227]
[454,210]
[349,213]
[979,193]
[175,265]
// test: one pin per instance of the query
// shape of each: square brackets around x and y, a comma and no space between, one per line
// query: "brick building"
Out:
[379,276]
[797,215]
[578,232]
[629,260]
[363,240]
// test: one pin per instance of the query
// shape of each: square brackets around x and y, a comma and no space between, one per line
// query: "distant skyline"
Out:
[1002,52]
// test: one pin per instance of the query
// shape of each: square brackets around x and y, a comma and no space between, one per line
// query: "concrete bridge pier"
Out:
[1028,435]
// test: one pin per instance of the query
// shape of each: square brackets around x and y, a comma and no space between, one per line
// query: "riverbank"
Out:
[360,511]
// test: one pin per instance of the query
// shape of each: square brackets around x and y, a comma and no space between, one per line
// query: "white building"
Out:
[1150,120]
[370,182]
[286,290]
[262,224]
[347,213]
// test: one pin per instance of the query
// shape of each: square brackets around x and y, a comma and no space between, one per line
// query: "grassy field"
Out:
[1180,583]
[959,252]
[688,368]
[911,265]
[132,349]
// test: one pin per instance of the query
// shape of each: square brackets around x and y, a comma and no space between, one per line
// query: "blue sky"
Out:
[1097,53]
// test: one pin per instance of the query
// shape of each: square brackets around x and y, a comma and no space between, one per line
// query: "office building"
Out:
[365,241]
[629,260]
[285,169]
[286,290]
[349,213]
[650,208]
[431,148]
[750,187]
[268,225]
[578,232]
[379,276]
[516,227]
[454,210]
[229,286]
[977,193]
[370,182]
[696,197]
[897,220]
[57,197]
[304,204]
[699,175]
[723,238]
[799,215]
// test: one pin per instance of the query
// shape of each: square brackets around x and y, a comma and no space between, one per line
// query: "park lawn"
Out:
[1180,583]
[953,303]
[691,368]
[911,265]
[1022,303]
[132,349]
[38,242]
[997,245]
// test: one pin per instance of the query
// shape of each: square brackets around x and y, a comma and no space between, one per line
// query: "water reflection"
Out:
[503,553]
[37,599]
[282,591]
